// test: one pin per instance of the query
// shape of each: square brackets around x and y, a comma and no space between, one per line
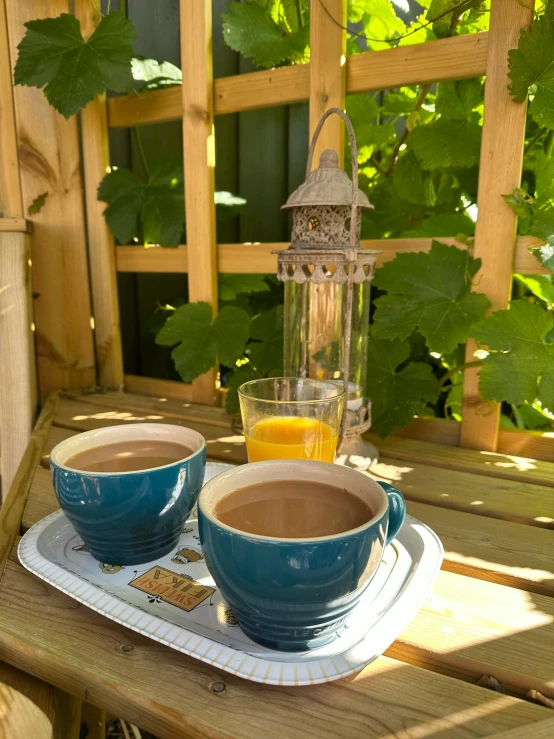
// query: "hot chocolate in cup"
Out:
[129,516]
[293,593]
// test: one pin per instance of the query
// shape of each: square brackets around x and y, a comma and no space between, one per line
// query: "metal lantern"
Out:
[327,277]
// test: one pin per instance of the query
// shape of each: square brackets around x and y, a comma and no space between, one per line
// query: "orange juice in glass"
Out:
[291,418]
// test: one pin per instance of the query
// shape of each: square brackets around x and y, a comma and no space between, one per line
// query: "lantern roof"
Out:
[326,185]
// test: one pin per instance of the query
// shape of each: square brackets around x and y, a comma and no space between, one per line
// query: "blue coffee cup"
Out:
[128,518]
[294,594]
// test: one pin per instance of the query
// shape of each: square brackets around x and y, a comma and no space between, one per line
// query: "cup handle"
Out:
[397,509]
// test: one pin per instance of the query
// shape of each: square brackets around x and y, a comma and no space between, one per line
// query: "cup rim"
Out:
[104,430]
[316,466]
[308,380]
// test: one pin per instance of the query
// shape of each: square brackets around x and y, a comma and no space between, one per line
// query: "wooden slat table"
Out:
[491,612]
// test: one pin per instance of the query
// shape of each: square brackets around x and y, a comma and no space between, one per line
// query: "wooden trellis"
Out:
[323,82]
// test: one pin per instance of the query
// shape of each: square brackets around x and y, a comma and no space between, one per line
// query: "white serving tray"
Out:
[174,600]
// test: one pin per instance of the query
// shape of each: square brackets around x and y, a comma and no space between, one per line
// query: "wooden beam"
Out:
[435,61]
[199,163]
[101,251]
[453,58]
[11,201]
[237,258]
[14,224]
[49,154]
[495,234]
[18,391]
[327,74]
[154,387]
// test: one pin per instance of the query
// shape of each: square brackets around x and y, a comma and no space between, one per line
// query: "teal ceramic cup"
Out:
[128,518]
[294,594]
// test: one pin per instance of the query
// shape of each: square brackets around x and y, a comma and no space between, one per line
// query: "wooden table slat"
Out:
[539,730]
[56,638]
[471,628]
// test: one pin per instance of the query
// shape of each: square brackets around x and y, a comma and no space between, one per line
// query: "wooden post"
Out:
[50,162]
[103,275]
[495,234]
[327,73]
[18,399]
[11,203]
[199,163]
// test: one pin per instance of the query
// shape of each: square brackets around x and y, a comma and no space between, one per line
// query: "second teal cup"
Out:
[294,594]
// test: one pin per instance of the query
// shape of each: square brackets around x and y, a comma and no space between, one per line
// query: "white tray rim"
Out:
[229,658]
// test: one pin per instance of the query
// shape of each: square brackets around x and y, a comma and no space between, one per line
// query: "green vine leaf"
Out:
[458,100]
[545,255]
[266,351]
[532,63]
[248,29]
[154,74]
[229,286]
[152,211]
[520,366]
[54,55]
[447,143]
[201,340]
[242,374]
[541,286]
[398,391]
[430,292]
[413,183]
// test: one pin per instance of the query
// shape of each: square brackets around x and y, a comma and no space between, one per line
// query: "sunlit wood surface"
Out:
[491,611]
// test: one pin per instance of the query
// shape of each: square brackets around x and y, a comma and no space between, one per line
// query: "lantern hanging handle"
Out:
[354,148]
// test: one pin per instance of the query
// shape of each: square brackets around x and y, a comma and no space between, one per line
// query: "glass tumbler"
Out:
[291,418]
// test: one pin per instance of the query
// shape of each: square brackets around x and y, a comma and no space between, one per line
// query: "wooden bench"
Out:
[491,612]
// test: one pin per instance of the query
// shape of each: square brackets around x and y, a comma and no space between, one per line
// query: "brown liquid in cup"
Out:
[291,509]
[128,456]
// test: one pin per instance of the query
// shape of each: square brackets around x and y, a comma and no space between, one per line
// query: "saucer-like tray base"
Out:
[174,600]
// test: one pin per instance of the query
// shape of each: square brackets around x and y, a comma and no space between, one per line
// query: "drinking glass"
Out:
[291,418]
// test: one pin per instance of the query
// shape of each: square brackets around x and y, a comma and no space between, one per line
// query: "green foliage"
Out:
[201,340]
[520,366]
[153,209]
[447,143]
[37,204]
[430,292]
[250,29]
[154,74]
[540,286]
[232,285]
[532,66]
[54,55]
[399,389]
[545,255]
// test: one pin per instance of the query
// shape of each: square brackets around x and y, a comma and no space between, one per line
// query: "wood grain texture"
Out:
[11,201]
[257,258]
[327,74]
[175,696]
[495,234]
[50,162]
[453,58]
[488,549]
[14,224]
[199,164]
[155,387]
[492,464]
[18,391]
[509,500]
[103,275]
[38,692]
[55,435]
[539,730]
[471,628]
[14,502]
[435,61]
